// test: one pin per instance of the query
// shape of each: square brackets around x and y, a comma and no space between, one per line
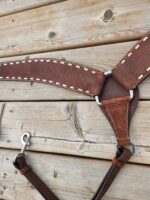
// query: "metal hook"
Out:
[25,141]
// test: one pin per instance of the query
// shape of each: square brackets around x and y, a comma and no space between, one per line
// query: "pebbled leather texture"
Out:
[118,113]
[135,66]
[56,72]
[118,108]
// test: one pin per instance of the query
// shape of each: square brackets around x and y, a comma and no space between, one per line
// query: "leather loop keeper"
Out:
[118,163]
[24,170]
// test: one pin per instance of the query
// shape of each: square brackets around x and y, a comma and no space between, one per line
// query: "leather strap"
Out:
[118,113]
[122,157]
[56,72]
[21,164]
[135,66]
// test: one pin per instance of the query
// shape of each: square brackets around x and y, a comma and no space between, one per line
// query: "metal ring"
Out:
[132,148]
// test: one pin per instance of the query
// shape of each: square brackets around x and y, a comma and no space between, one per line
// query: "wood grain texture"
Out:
[74,128]
[71,178]
[102,57]
[12,6]
[71,24]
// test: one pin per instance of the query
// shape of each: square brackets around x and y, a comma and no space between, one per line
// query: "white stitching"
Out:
[44,80]
[141,76]
[77,66]
[148,69]
[137,46]
[123,61]
[129,54]
[145,39]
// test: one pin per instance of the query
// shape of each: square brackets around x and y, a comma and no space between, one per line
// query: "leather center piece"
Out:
[118,109]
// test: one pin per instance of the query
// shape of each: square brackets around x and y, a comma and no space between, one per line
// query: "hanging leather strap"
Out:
[135,66]
[21,164]
[122,157]
[56,72]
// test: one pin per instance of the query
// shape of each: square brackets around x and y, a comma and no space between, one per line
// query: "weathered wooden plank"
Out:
[71,178]
[13,6]
[75,128]
[102,57]
[72,24]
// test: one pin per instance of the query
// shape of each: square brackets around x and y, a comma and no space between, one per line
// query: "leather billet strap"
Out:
[122,157]
[21,164]
[56,72]
[135,66]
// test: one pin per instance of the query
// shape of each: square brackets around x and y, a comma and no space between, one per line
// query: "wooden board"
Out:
[102,57]
[75,128]
[13,6]
[71,24]
[71,178]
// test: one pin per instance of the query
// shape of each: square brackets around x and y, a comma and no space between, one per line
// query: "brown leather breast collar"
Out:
[115,92]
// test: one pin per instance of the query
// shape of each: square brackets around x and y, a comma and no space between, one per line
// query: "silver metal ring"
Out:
[131,93]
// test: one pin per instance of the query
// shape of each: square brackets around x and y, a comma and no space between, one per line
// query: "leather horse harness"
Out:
[115,92]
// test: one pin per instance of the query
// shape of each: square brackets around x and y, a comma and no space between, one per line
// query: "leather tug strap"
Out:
[56,72]
[135,66]
[122,157]
[130,71]
[21,164]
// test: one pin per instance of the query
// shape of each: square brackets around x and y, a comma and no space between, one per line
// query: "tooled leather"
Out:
[56,72]
[118,114]
[135,66]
